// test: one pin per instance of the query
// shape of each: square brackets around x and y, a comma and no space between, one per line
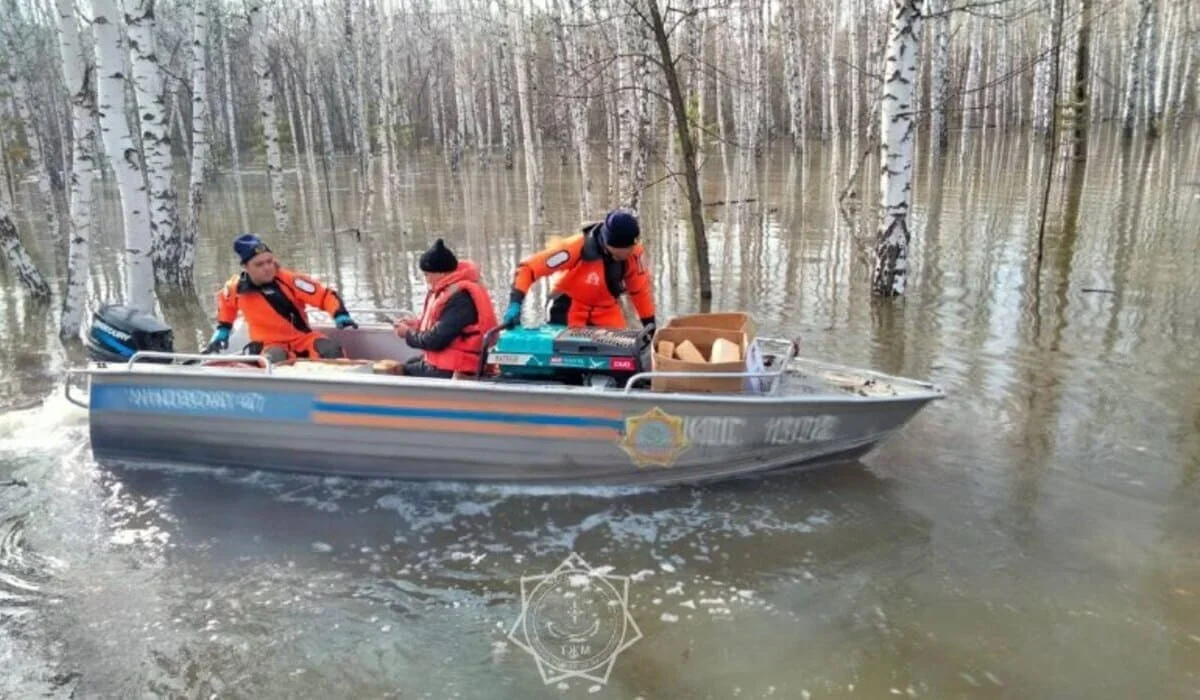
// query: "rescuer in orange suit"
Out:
[273,300]
[457,312]
[599,264]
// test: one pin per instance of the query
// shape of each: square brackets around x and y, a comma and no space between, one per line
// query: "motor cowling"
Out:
[117,332]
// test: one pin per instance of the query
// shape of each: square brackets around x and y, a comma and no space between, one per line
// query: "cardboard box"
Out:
[730,321]
[703,339]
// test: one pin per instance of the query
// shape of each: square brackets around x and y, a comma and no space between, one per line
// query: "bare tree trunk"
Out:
[1136,64]
[1083,63]
[1153,113]
[524,57]
[77,71]
[938,132]
[504,62]
[578,111]
[156,141]
[199,139]
[37,154]
[124,157]
[385,115]
[898,134]
[18,259]
[686,148]
[231,125]
[266,109]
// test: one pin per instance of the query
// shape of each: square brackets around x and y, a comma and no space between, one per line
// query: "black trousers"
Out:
[417,367]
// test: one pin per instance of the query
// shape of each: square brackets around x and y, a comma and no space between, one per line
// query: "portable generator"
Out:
[117,332]
[597,357]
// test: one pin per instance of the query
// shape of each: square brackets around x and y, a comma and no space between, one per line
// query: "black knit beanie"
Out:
[438,259]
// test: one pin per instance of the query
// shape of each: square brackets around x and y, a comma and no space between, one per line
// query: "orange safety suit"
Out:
[591,284]
[462,354]
[275,312]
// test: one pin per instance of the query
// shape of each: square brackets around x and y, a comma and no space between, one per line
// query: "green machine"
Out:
[598,357]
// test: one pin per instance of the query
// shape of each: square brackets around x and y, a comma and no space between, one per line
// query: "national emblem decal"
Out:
[654,438]
[304,285]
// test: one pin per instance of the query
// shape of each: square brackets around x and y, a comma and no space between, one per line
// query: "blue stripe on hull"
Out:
[477,416]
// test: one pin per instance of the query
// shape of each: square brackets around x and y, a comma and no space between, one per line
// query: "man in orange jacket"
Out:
[457,312]
[273,300]
[598,265]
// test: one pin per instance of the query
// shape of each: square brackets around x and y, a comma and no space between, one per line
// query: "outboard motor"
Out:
[119,331]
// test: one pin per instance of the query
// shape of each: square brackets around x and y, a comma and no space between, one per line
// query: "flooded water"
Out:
[1036,534]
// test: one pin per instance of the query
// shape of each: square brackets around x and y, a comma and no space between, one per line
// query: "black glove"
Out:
[218,342]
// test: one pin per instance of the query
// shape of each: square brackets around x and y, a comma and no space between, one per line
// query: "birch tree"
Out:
[156,141]
[123,154]
[37,155]
[898,132]
[77,71]
[18,258]
[199,140]
[266,111]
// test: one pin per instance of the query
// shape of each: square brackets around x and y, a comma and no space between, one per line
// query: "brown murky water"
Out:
[1034,535]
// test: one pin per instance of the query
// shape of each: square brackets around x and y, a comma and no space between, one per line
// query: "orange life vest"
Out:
[593,282]
[267,322]
[462,354]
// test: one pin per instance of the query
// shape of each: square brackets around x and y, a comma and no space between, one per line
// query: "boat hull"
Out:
[406,428]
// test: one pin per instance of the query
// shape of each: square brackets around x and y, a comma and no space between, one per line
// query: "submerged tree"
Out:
[156,140]
[267,111]
[18,259]
[77,70]
[898,134]
[123,154]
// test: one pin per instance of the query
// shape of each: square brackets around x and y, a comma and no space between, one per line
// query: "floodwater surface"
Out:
[1036,534]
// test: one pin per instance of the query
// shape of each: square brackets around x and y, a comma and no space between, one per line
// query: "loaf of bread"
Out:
[666,348]
[725,351]
[688,352]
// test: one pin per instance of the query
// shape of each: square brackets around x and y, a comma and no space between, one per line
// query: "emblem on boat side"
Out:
[654,438]
[575,621]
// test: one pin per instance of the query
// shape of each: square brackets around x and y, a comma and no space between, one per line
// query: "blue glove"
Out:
[512,316]
[344,320]
[219,340]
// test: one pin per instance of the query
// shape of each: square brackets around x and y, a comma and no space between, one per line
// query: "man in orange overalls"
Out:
[273,300]
[598,265]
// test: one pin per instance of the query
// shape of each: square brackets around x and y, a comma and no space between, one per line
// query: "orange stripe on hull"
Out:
[449,426]
[449,404]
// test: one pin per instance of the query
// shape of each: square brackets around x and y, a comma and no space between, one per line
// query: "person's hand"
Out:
[218,342]
[344,321]
[512,315]
[403,325]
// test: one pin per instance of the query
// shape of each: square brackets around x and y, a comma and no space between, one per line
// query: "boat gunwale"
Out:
[914,391]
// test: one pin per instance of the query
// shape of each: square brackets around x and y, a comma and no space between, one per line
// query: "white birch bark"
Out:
[831,73]
[1136,62]
[385,116]
[524,57]
[199,138]
[123,155]
[18,258]
[37,154]
[938,131]
[504,63]
[291,106]
[643,136]
[231,127]
[156,140]
[1151,61]
[898,136]
[266,109]
[81,92]
[578,110]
